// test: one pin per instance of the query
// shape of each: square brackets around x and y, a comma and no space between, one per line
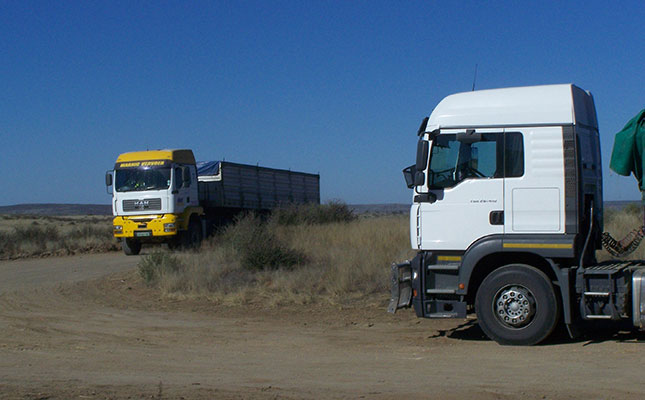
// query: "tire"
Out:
[131,247]
[174,243]
[516,305]
[192,238]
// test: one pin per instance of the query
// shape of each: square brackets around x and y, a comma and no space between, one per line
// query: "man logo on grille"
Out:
[141,204]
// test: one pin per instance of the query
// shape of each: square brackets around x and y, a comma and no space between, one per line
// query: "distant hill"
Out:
[57,209]
[106,209]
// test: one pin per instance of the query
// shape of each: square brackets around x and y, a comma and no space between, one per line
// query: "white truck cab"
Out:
[497,165]
[507,215]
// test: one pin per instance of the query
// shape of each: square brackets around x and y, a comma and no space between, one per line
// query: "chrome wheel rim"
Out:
[514,306]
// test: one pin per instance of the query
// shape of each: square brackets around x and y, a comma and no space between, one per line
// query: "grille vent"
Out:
[142,204]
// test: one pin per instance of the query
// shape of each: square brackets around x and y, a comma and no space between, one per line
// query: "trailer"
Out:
[164,196]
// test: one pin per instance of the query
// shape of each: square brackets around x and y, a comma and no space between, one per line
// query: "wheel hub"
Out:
[514,306]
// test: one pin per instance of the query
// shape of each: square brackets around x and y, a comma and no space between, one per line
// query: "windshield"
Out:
[496,155]
[139,179]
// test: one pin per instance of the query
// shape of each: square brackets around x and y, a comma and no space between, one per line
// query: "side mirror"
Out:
[413,177]
[409,175]
[108,181]
[422,155]
[419,178]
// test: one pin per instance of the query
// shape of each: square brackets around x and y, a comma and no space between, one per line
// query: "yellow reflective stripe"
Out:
[538,245]
[449,258]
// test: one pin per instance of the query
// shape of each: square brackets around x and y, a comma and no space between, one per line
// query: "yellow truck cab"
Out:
[155,198]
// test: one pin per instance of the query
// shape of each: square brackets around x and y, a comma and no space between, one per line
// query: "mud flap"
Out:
[401,290]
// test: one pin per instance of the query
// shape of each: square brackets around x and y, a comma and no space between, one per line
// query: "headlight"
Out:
[169,227]
[118,228]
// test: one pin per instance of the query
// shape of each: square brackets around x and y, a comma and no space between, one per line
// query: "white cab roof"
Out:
[531,105]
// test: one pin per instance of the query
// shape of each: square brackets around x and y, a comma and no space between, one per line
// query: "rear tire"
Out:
[131,247]
[192,238]
[516,305]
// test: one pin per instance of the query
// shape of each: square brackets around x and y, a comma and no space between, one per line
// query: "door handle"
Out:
[496,217]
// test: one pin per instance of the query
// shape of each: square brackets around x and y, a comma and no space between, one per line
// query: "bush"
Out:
[27,236]
[153,266]
[7,245]
[252,262]
[310,214]
[36,234]
[257,246]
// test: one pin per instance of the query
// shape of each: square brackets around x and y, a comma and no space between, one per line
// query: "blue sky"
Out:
[334,87]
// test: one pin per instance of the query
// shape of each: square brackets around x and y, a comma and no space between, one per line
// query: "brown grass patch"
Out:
[337,263]
[325,263]
[40,236]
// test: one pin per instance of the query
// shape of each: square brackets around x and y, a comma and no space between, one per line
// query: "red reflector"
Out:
[414,293]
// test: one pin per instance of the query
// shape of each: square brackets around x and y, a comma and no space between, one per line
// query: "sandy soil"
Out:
[85,327]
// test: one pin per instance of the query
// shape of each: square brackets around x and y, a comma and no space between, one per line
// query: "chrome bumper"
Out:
[401,289]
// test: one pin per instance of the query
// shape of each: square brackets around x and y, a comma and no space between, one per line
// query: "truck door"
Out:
[182,189]
[466,174]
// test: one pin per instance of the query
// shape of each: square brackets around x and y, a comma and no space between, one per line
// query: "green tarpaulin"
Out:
[629,148]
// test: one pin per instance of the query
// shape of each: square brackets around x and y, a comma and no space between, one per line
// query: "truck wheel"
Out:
[174,243]
[516,305]
[131,247]
[192,238]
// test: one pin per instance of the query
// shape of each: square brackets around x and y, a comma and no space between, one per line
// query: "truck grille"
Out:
[143,204]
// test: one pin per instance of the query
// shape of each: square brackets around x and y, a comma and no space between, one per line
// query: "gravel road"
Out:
[85,327]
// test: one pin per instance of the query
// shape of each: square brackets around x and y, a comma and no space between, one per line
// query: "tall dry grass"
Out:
[312,262]
[338,262]
[36,236]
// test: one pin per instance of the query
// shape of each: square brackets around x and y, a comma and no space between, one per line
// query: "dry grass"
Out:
[337,263]
[38,236]
[341,262]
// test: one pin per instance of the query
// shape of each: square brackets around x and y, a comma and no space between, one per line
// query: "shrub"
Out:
[7,245]
[251,262]
[257,246]
[26,236]
[333,211]
[153,266]
[36,234]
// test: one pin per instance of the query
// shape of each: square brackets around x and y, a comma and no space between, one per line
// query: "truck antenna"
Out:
[474,78]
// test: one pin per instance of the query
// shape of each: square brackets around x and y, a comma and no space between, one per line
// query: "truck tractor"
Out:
[164,196]
[507,215]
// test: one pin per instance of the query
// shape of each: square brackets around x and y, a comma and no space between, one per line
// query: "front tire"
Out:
[131,247]
[516,305]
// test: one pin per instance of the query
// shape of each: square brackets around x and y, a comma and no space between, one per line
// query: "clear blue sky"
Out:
[335,87]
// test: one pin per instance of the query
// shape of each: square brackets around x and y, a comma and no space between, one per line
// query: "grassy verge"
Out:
[38,236]
[281,262]
[298,260]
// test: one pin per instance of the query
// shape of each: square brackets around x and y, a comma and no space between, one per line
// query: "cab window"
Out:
[178,177]
[496,155]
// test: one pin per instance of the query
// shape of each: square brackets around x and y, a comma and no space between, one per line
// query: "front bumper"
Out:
[145,227]
[401,289]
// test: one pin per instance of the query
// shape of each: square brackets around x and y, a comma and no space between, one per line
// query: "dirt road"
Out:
[85,327]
